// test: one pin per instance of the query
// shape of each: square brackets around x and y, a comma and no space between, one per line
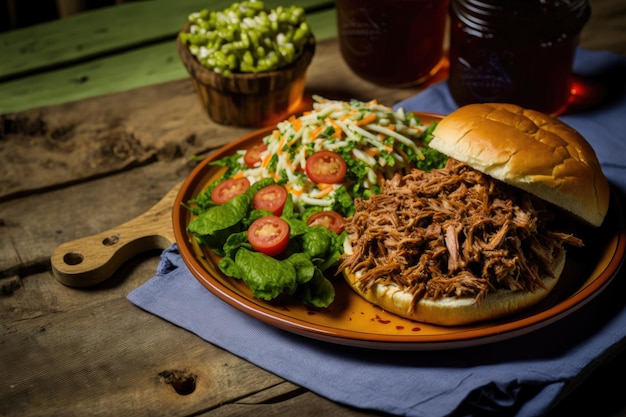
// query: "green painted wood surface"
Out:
[85,56]
[106,30]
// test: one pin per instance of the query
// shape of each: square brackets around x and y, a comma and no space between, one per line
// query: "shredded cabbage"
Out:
[374,140]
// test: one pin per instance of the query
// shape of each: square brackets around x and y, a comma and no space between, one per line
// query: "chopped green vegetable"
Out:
[311,250]
[213,226]
[246,37]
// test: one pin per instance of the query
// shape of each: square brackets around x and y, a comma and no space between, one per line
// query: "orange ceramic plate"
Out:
[351,320]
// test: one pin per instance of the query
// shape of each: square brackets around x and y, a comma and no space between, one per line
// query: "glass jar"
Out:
[392,42]
[514,51]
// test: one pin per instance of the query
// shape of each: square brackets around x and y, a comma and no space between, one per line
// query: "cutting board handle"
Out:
[91,260]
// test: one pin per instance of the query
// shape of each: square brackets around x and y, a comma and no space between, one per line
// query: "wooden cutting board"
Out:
[90,260]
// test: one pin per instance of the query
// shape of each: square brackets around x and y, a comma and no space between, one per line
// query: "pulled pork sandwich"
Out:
[484,237]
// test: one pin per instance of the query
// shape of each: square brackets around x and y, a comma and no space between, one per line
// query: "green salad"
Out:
[276,215]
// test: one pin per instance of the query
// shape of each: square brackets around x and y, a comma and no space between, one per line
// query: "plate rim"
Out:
[466,338]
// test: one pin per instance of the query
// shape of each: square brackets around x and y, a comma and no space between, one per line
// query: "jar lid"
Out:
[547,19]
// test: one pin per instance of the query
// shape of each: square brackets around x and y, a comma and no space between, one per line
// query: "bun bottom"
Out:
[451,311]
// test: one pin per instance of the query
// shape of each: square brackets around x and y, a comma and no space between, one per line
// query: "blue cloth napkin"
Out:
[523,376]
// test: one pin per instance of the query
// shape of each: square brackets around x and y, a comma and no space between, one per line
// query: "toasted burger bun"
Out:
[525,149]
[455,311]
[528,150]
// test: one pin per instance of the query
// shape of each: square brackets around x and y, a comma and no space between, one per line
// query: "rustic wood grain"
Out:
[77,355]
[105,31]
[33,226]
[152,62]
[87,139]
[278,403]
[90,260]
[83,167]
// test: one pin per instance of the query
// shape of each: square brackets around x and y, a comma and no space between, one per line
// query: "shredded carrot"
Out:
[291,190]
[315,133]
[372,151]
[281,143]
[324,191]
[324,186]
[240,174]
[338,132]
[296,123]
[266,161]
[367,120]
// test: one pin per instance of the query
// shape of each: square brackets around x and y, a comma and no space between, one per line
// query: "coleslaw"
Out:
[374,140]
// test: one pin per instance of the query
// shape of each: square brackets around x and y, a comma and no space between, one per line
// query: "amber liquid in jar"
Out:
[392,42]
[514,51]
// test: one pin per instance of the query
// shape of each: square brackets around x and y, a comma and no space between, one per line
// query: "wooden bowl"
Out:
[249,99]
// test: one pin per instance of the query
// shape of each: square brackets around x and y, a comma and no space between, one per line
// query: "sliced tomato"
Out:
[228,189]
[269,235]
[253,154]
[329,219]
[326,167]
[272,198]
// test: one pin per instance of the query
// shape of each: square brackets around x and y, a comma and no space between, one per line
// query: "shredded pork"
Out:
[453,232]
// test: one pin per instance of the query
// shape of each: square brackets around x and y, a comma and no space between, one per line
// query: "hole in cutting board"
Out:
[72,258]
[111,240]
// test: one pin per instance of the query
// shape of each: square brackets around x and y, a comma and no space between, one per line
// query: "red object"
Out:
[269,235]
[253,154]
[329,219]
[229,189]
[272,198]
[326,167]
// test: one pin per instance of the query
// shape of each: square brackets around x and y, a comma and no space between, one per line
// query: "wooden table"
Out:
[97,122]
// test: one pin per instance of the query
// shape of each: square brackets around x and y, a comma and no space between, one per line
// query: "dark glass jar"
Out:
[514,51]
[392,42]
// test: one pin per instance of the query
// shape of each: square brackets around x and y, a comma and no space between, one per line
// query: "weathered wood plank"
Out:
[60,363]
[84,139]
[33,226]
[305,404]
[104,31]
[149,65]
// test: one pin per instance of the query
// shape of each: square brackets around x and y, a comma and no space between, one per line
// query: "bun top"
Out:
[529,150]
